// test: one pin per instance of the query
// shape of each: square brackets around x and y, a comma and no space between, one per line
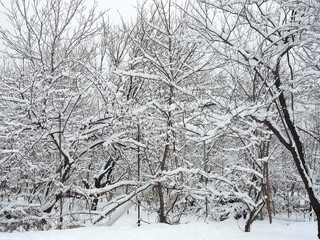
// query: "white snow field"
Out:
[126,229]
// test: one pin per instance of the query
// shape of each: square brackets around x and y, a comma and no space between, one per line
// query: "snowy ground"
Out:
[126,229]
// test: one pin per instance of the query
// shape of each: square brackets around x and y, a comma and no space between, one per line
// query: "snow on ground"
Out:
[126,229]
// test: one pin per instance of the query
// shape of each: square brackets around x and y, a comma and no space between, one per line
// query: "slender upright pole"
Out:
[60,172]
[267,189]
[268,192]
[205,166]
[139,214]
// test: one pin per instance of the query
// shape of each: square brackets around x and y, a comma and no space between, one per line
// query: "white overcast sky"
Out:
[125,7]
[115,7]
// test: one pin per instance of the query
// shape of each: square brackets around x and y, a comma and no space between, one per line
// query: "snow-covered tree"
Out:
[266,38]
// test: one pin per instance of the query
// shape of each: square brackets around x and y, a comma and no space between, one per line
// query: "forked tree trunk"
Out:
[252,216]
[247,227]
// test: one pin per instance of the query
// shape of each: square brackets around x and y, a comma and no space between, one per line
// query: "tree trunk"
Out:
[252,216]
[94,204]
[247,227]
[295,146]
[267,192]
[318,220]
[162,218]
[138,161]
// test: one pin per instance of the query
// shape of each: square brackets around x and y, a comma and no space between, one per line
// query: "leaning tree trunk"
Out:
[295,147]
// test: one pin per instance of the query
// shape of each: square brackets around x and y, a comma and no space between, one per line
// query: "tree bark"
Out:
[267,193]
[162,218]
[295,147]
